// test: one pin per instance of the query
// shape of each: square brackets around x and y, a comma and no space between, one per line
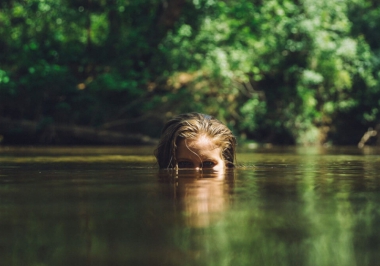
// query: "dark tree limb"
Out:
[64,133]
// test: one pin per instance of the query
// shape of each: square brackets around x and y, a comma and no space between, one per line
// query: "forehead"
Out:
[202,141]
[202,146]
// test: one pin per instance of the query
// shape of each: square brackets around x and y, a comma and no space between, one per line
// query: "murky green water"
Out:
[111,206]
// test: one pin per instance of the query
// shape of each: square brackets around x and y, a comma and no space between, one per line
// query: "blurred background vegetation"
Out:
[275,71]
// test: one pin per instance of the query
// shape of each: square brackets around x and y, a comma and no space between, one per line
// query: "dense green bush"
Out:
[277,71]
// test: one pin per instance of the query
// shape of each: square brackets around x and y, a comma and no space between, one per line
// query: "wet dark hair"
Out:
[192,126]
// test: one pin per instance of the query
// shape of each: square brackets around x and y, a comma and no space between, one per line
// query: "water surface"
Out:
[111,206]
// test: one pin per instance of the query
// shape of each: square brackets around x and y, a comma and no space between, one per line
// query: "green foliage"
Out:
[291,66]
[277,71]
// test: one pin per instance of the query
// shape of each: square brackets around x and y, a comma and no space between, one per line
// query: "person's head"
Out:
[195,140]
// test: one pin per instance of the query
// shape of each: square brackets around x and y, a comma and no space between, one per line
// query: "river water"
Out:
[112,206]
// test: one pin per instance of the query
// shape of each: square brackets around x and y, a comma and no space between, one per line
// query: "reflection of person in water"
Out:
[202,196]
[196,141]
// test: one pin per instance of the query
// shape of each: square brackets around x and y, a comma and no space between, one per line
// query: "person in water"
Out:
[196,141]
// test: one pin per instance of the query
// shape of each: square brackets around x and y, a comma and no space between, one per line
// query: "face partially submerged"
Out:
[200,153]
